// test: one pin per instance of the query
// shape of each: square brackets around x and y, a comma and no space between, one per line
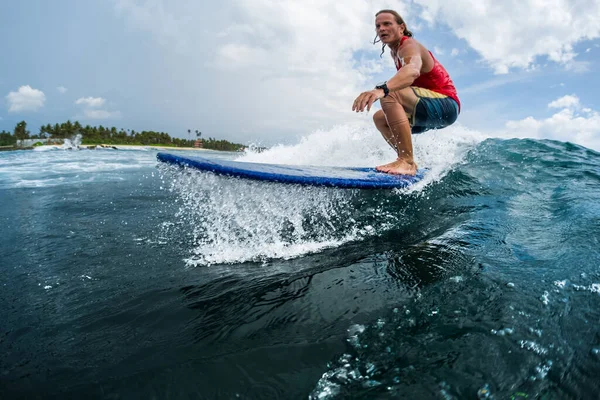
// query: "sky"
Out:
[273,71]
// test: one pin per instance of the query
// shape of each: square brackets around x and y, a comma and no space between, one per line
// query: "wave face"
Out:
[502,283]
[481,280]
[491,252]
[235,220]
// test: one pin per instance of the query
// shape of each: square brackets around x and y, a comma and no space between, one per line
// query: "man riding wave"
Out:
[419,97]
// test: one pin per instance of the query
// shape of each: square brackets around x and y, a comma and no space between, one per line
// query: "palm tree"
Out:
[21,131]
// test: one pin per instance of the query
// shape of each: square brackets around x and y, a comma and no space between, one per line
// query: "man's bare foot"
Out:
[399,167]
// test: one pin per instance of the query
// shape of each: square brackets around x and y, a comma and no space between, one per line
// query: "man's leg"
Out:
[382,126]
[393,124]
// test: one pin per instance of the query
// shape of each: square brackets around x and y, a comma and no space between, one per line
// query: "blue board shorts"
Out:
[432,111]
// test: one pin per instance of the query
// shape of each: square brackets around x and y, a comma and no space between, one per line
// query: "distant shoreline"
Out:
[114,146]
[90,136]
[158,147]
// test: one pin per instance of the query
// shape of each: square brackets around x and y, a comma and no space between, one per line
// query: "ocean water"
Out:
[121,278]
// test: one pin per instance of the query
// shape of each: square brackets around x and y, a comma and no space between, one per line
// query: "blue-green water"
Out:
[121,278]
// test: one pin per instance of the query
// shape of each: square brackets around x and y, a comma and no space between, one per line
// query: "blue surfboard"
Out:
[339,177]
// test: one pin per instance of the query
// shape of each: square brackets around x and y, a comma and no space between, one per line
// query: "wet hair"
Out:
[399,21]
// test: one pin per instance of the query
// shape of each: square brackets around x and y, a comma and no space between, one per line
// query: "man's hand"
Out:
[366,99]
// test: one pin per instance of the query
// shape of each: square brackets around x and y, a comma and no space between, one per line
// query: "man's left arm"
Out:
[405,77]
[410,71]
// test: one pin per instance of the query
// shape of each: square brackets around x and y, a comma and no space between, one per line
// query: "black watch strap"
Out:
[383,86]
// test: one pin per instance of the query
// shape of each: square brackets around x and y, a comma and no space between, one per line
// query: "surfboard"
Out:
[339,177]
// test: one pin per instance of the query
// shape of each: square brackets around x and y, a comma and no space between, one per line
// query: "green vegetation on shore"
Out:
[92,135]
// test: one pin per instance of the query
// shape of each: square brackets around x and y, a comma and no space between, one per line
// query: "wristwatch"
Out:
[383,86]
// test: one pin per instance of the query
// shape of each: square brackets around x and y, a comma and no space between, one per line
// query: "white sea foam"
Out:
[361,145]
[594,288]
[560,284]
[30,169]
[45,148]
[237,220]
[73,143]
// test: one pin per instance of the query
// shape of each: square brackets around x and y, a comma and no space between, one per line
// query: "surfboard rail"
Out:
[338,177]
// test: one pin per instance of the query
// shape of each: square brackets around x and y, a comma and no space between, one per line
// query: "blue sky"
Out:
[272,71]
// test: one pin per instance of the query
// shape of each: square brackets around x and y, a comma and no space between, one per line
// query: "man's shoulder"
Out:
[409,44]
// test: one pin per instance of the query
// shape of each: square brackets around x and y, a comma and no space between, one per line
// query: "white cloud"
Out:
[25,99]
[577,66]
[566,125]
[291,42]
[62,89]
[283,66]
[569,101]
[368,67]
[91,109]
[495,82]
[438,50]
[152,16]
[101,114]
[513,33]
[290,66]
[92,102]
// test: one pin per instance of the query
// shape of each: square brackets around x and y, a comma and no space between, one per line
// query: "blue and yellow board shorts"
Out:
[432,111]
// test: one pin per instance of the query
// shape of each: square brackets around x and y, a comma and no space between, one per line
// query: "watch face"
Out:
[381,84]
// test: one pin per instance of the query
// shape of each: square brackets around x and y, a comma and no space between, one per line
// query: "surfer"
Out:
[419,97]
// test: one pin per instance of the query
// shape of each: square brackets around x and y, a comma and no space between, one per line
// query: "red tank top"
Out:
[437,80]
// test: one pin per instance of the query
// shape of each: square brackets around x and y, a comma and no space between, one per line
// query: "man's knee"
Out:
[401,97]
[379,118]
